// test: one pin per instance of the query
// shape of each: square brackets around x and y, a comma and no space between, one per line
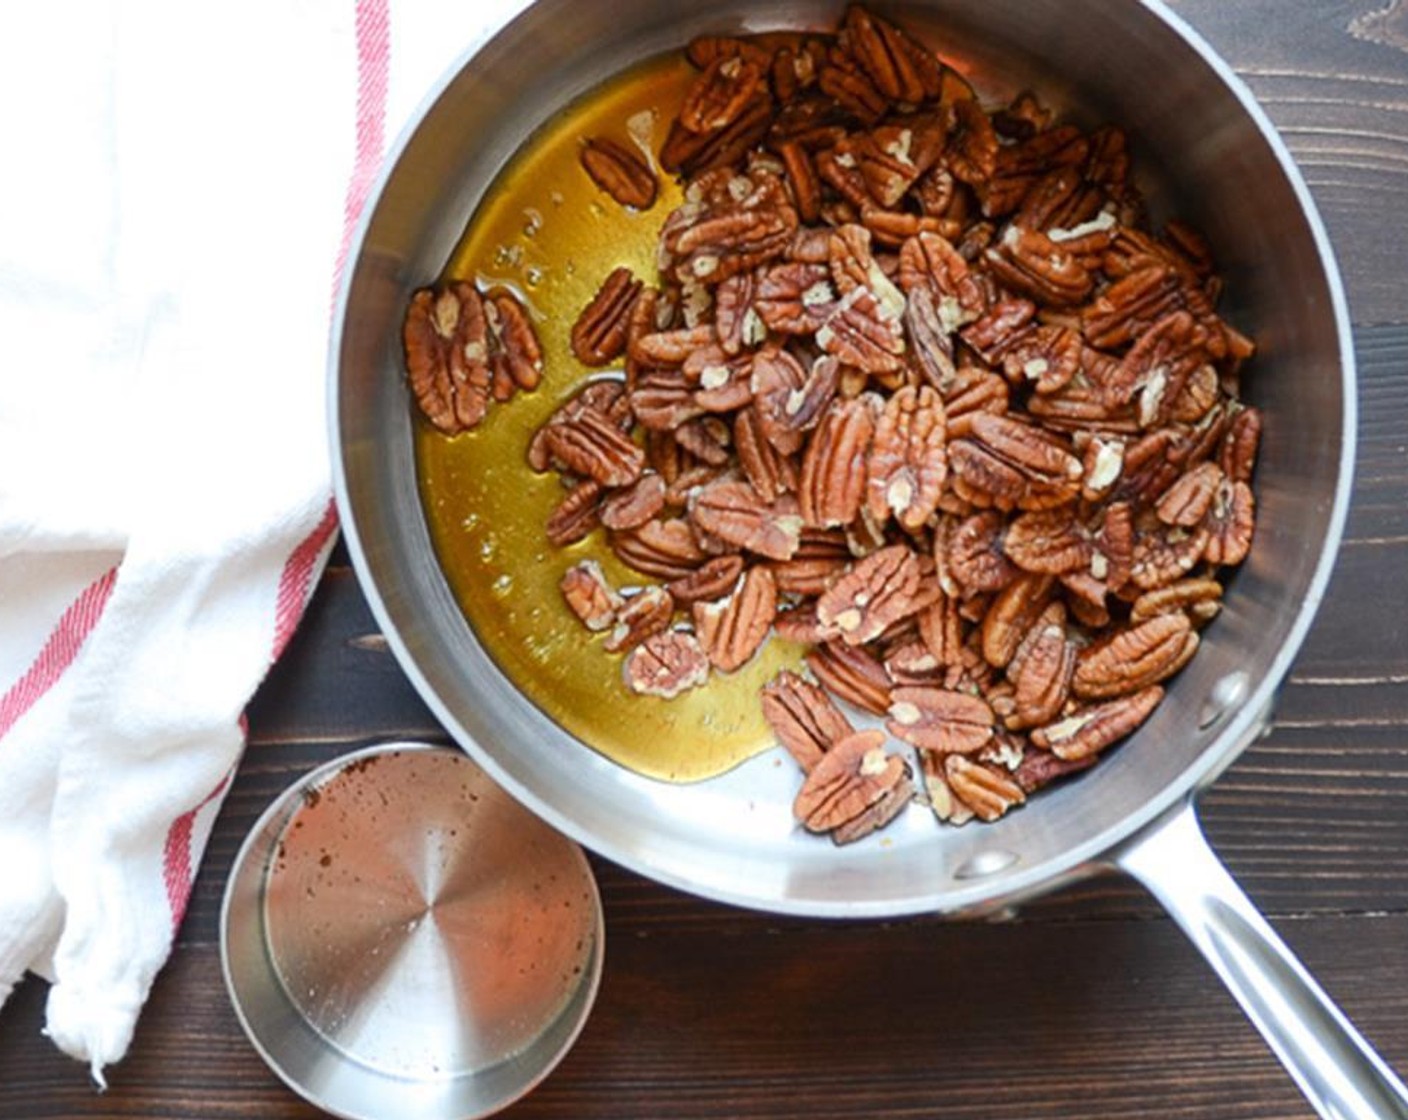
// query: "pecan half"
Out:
[634,505]
[590,597]
[711,580]
[832,483]
[878,591]
[1230,522]
[803,717]
[620,173]
[446,344]
[720,93]
[852,673]
[665,665]
[667,549]
[1090,730]
[901,68]
[732,511]
[1011,615]
[599,335]
[1041,670]
[790,400]
[591,446]
[908,461]
[1199,599]
[1051,541]
[732,629]
[576,515]
[1015,464]
[645,613]
[984,788]
[1029,262]
[936,719]
[1133,659]
[852,776]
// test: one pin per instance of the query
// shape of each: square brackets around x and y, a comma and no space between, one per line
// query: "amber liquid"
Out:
[545,231]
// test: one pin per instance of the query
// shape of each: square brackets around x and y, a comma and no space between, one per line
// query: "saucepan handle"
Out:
[1336,1069]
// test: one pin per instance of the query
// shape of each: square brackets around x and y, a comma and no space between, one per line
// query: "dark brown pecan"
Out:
[707,49]
[803,717]
[591,446]
[802,178]
[732,511]
[576,515]
[1153,372]
[930,342]
[590,597]
[852,673]
[599,335]
[908,462]
[881,589]
[634,505]
[710,581]
[1014,464]
[720,93]
[666,549]
[1133,659]
[665,665]
[515,356]
[619,172]
[936,719]
[853,775]
[1031,263]
[446,345]
[1134,303]
[1039,768]
[973,148]
[901,68]
[1090,730]
[1230,522]
[987,790]
[733,628]
[645,613]
[832,483]
[695,152]
[853,92]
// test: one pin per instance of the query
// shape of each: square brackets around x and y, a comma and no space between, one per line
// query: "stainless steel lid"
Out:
[401,939]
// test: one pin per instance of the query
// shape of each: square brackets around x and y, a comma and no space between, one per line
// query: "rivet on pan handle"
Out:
[1336,1069]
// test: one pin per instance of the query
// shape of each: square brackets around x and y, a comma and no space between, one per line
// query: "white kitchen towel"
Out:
[182,182]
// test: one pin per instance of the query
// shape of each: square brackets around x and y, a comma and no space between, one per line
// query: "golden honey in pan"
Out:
[546,232]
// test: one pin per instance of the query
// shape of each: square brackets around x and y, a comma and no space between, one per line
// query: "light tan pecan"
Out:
[852,776]
[1230,523]
[986,789]
[881,589]
[732,511]
[1103,462]
[665,665]
[590,597]
[945,804]
[1031,263]
[936,719]
[720,93]
[591,446]
[647,612]
[732,629]
[1013,464]
[900,67]
[908,461]
[832,483]
[619,172]
[667,549]
[599,334]
[1132,659]
[851,672]
[1199,599]
[771,473]
[1088,731]
[804,718]
[1041,670]
[576,515]
[634,505]
[446,346]
[1011,614]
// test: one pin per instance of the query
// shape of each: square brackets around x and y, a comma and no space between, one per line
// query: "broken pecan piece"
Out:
[645,613]
[665,665]
[589,596]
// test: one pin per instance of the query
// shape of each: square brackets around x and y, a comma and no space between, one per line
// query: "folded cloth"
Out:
[183,181]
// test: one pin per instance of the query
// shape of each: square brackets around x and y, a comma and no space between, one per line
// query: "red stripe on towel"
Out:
[294,584]
[58,652]
[176,858]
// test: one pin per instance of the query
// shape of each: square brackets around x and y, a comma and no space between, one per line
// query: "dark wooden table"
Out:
[1089,1004]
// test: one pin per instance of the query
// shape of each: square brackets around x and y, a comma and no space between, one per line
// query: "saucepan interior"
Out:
[1206,154]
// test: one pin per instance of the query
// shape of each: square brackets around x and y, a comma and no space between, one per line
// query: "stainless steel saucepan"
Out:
[1215,160]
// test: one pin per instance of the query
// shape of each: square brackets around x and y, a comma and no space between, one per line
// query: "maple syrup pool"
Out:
[545,231]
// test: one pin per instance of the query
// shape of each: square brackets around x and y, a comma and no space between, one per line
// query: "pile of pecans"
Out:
[915,386]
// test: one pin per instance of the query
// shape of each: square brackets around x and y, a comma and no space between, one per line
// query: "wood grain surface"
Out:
[1089,1004]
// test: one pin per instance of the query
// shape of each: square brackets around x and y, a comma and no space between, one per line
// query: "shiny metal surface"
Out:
[1206,152]
[402,939]
[1339,1073]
